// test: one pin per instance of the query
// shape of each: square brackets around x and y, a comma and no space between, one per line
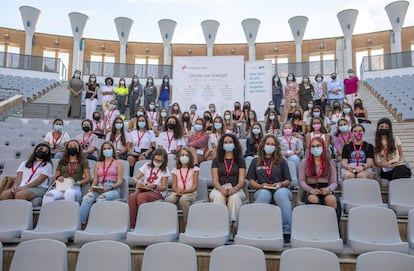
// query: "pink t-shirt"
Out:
[108,171]
[184,179]
[351,85]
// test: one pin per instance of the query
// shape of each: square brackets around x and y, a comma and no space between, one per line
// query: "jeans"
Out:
[133,107]
[283,198]
[91,197]
[277,99]
[121,103]
[296,159]
[164,104]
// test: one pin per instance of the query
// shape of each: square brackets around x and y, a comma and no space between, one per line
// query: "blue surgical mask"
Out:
[310,106]
[198,127]
[269,149]
[343,128]
[290,78]
[347,110]
[58,127]
[316,114]
[139,113]
[317,151]
[107,153]
[77,75]
[149,81]
[166,80]
[151,106]
[228,147]
[184,159]
[112,106]
[305,80]
[163,114]
[119,126]
[256,131]
[141,124]
[192,110]
[218,125]
[350,74]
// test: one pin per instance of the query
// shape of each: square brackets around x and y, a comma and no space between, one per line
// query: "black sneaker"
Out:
[286,238]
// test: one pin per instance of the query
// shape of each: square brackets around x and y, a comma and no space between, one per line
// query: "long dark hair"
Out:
[32,158]
[237,152]
[277,155]
[164,155]
[390,137]
[79,156]
[102,157]
[178,128]
[113,131]
[269,121]
[278,83]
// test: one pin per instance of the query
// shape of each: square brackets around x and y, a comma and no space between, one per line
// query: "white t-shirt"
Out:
[36,170]
[168,142]
[88,140]
[214,139]
[107,98]
[141,140]
[110,117]
[156,175]
[58,143]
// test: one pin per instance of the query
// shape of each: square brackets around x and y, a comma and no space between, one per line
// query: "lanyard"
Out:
[153,176]
[184,180]
[72,170]
[348,138]
[170,140]
[228,168]
[105,170]
[319,174]
[33,172]
[289,142]
[140,137]
[385,149]
[151,115]
[109,119]
[117,139]
[98,124]
[357,152]
[268,170]
[56,140]
[85,142]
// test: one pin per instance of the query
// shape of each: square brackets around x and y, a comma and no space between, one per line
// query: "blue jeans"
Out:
[164,104]
[296,159]
[91,197]
[277,99]
[283,198]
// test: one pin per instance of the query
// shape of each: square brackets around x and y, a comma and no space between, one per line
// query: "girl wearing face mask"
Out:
[230,126]
[57,139]
[152,114]
[164,93]
[193,113]
[135,94]
[277,92]
[176,111]
[150,92]
[184,182]
[91,96]
[252,143]
[98,125]
[118,138]
[110,115]
[348,113]
[317,112]
[357,156]
[212,108]
[388,152]
[351,86]
[291,147]
[75,87]
[298,125]
[107,180]
[141,143]
[31,176]
[293,105]
[121,96]
[342,136]
[172,139]
[319,94]
[151,184]
[272,125]
[308,110]
[240,115]
[306,91]
[336,114]
[228,173]
[270,107]
[360,112]
[216,134]
[73,165]
[107,92]
[88,140]
[318,130]
[317,176]
[159,125]
[208,118]
[269,175]
[252,119]
[187,124]
[291,93]
[132,124]
[198,141]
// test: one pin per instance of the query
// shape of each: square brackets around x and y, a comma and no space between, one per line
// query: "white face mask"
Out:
[157,164]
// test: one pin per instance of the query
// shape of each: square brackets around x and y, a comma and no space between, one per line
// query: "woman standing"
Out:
[121,96]
[228,172]
[107,180]
[107,92]
[74,166]
[184,182]
[75,88]
[305,92]
[164,93]
[269,175]
[91,96]
[150,92]
[277,92]
[32,176]
[291,93]
[319,94]
[151,183]
[135,94]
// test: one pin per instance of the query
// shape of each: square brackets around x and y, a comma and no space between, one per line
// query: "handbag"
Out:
[65,185]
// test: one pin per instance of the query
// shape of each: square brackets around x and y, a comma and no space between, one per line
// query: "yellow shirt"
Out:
[121,91]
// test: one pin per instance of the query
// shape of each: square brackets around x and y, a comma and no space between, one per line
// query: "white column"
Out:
[30,17]
[251,27]
[298,26]
[396,12]
[123,27]
[78,23]
[167,28]
[347,19]
[210,28]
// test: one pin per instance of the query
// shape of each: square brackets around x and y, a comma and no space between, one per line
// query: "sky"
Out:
[273,15]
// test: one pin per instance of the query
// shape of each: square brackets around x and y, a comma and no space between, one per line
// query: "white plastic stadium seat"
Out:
[237,258]
[309,259]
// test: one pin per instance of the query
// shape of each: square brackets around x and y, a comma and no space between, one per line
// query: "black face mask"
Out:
[333,77]
[86,128]
[296,116]
[73,151]
[237,107]
[383,131]
[170,126]
[207,118]
[97,118]
[358,104]
[337,107]
[246,107]
[186,118]
[42,155]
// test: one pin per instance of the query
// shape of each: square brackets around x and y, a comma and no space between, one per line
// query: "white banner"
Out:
[203,80]
[258,90]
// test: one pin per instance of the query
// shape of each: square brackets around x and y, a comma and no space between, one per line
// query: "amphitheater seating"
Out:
[260,225]
[400,197]
[410,229]
[16,216]
[182,256]
[237,258]
[156,222]
[361,192]
[374,229]
[384,261]
[307,258]
[40,254]
[316,226]
[104,255]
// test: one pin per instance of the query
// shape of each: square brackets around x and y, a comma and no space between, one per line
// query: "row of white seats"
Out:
[260,225]
[112,255]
